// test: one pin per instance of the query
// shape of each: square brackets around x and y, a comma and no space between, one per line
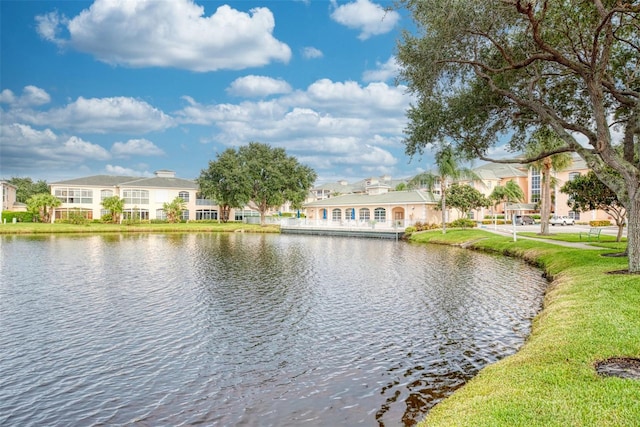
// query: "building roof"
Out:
[501,170]
[392,197]
[130,181]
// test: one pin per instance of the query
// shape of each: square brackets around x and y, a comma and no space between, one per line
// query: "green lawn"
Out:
[37,228]
[588,315]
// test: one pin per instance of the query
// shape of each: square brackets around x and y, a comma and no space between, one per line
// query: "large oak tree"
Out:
[256,175]
[489,71]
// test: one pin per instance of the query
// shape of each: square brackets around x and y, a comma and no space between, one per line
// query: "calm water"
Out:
[248,330]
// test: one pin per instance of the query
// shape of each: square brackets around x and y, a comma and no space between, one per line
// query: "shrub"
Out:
[19,216]
[491,217]
[463,223]
[601,223]
[410,230]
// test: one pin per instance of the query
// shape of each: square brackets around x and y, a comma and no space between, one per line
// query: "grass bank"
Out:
[189,227]
[588,315]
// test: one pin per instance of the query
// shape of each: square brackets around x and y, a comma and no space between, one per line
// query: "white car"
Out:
[561,220]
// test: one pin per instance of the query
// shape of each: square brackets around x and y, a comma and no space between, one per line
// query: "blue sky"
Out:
[128,87]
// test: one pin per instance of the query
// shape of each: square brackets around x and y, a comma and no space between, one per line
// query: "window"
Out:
[160,214]
[105,212]
[185,215]
[135,214]
[336,214]
[351,214]
[105,193]
[206,214]
[573,175]
[136,197]
[574,215]
[365,215]
[184,195]
[535,185]
[380,214]
[65,213]
[74,195]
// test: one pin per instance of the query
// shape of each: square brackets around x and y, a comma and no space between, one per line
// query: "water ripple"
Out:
[228,330]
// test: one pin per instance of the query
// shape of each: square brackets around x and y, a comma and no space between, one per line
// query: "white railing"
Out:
[398,225]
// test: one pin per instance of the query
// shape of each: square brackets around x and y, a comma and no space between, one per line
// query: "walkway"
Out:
[508,231]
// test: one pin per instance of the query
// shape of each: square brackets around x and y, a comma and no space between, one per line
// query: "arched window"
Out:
[350,214]
[184,195]
[380,214]
[336,214]
[365,215]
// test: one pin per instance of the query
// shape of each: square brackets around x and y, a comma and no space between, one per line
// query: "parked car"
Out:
[561,220]
[524,220]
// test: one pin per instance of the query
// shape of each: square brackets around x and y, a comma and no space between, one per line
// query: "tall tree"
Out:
[448,170]
[485,69]
[587,192]
[43,205]
[542,141]
[115,206]
[259,176]
[25,188]
[225,182]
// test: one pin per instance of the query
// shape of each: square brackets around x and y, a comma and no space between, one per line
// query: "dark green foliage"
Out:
[8,216]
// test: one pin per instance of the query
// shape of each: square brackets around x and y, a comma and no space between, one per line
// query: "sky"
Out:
[128,87]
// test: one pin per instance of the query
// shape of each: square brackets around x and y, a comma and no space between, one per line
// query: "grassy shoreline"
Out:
[189,227]
[588,315]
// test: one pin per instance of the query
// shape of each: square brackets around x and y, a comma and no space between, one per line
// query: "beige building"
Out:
[8,196]
[143,196]
[376,207]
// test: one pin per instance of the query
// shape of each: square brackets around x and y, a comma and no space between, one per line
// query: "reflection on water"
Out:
[240,329]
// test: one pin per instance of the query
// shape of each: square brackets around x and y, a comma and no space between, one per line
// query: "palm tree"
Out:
[509,193]
[43,205]
[115,206]
[447,171]
[174,209]
[544,140]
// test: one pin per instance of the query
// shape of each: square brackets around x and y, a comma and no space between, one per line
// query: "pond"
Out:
[246,329]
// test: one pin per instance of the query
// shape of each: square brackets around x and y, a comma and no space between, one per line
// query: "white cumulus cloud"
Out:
[383,72]
[369,18]
[23,147]
[258,86]
[176,33]
[310,52]
[32,96]
[132,147]
[101,115]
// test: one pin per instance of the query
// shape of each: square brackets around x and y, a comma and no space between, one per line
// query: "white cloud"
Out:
[100,115]
[328,125]
[50,25]
[76,147]
[370,18]
[150,33]
[25,148]
[383,71]
[120,170]
[142,147]
[31,96]
[258,86]
[311,53]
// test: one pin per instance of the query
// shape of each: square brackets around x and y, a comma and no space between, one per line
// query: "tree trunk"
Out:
[633,234]
[443,206]
[545,206]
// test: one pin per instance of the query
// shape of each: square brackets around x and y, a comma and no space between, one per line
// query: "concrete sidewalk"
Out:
[507,231]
